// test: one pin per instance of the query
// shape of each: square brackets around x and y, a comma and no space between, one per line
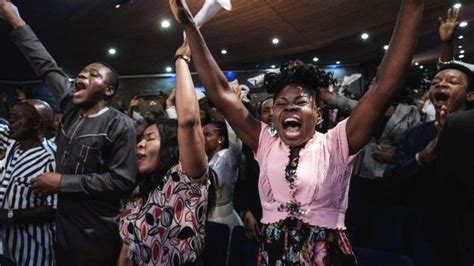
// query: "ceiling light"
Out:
[315,59]
[275,41]
[385,47]
[224,51]
[461,52]
[273,66]
[461,37]
[112,51]
[421,67]
[165,24]
[117,6]
[460,46]
[461,56]
[168,69]
[364,36]
[463,24]
[457,5]
[416,63]
[338,62]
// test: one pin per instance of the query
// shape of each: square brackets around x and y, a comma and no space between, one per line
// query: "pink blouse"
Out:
[322,182]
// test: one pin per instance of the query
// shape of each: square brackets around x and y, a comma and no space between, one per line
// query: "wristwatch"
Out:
[187,59]
[10,215]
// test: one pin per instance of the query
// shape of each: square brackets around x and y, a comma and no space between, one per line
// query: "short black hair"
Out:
[469,73]
[113,80]
[296,72]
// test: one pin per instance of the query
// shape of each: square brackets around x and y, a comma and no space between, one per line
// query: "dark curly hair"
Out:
[296,72]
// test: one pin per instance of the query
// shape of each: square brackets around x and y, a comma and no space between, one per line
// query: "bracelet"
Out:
[187,59]
[445,63]
[417,158]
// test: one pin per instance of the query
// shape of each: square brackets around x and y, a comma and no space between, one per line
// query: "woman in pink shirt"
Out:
[304,175]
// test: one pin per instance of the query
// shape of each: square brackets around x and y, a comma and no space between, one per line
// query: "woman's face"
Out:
[295,115]
[213,140]
[148,150]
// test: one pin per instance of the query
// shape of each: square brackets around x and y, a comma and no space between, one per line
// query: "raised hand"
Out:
[429,153]
[180,11]
[171,100]
[183,50]
[9,12]
[447,27]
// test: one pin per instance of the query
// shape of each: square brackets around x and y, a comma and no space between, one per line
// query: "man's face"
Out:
[266,111]
[91,85]
[24,122]
[213,140]
[449,88]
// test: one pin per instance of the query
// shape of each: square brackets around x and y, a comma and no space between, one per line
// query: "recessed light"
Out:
[364,36]
[112,51]
[416,63]
[117,6]
[315,59]
[457,5]
[385,47]
[224,51]
[461,52]
[461,56]
[460,46]
[275,41]
[165,23]
[273,66]
[463,24]
[338,62]
[461,37]
[168,69]
[421,67]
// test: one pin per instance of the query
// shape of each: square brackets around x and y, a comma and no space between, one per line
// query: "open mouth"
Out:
[441,98]
[79,89]
[292,127]
[141,157]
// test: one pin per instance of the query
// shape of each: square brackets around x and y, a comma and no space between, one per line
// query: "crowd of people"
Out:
[102,182]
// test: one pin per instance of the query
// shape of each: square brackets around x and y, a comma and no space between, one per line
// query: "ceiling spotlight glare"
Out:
[165,24]
[364,36]
[338,62]
[457,5]
[385,47]
[224,51]
[416,63]
[112,51]
[168,69]
[117,6]
[273,66]
[460,46]
[461,56]
[461,37]
[462,52]
[315,59]
[421,67]
[275,41]
[463,24]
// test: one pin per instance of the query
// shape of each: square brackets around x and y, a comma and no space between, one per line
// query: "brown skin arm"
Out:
[192,154]
[123,259]
[211,76]
[447,29]
[372,107]
[37,215]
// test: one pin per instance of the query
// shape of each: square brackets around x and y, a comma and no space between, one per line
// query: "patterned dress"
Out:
[168,229]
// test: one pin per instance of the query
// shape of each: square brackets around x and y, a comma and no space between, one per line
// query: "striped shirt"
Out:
[30,244]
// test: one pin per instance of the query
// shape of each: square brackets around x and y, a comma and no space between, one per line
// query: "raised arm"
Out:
[192,154]
[218,89]
[40,60]
[447,29]
[363,121]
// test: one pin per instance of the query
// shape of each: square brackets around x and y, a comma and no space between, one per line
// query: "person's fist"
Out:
[9,12]
[180,11]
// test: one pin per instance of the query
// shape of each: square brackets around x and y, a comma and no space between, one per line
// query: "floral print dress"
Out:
[169,228]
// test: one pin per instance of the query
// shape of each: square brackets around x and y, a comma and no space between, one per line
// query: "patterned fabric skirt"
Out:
[293,242]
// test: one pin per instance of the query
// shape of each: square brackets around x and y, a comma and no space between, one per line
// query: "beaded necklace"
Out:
[292,207]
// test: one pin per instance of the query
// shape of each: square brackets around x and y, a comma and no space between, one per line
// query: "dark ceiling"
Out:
[78,32]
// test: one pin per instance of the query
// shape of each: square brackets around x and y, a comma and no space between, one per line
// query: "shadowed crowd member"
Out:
[95,166]
[26,217]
